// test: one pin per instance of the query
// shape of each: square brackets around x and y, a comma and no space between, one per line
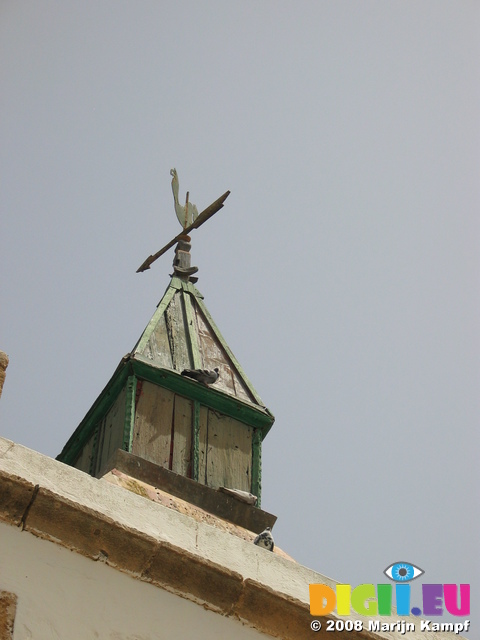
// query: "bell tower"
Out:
[196,437]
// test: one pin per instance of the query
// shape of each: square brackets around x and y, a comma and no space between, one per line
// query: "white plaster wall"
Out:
[64,595]
[92,600]
[160,522]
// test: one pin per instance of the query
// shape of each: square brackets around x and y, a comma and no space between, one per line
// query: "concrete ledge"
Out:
[211,500]
[184,573]
[16,496]
[153,543]
[89,532]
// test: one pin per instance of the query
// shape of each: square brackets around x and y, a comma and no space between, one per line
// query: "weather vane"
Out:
[190,219]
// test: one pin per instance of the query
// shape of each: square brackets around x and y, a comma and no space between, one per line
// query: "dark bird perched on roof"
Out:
[205,376]
[265,540]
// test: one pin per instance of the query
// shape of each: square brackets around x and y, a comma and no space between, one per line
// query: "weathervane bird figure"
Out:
[188,213]
[188,217]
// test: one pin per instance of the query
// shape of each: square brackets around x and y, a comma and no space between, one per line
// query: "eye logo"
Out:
[403,571]
[365,600]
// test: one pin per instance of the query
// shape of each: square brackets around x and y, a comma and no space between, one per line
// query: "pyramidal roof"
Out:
[182,335]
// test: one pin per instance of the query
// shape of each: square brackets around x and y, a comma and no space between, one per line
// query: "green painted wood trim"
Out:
[258,418]
[176,283]
[190,288]
[192,332]
[97,412]
[162,305]
[196,440]
[129,413]
[257,466]
[222,341]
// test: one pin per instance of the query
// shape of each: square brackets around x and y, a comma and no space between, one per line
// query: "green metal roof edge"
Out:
[258,417]
[228,351]
[97,411]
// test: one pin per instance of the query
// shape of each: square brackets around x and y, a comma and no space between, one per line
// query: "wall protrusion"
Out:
[3,367]
[8,608]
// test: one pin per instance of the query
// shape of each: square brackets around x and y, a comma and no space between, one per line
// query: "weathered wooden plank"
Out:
[214,355]
[98,446]
[229,453]
[177,334]
[84,460]
[182,436]
[208,339]
[165,301]
[153,424]
[236,365]
[159,345]
[112,430]
[250,414]
[93,457]
[202,444]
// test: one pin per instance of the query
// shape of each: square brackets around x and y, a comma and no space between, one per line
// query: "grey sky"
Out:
[343,271]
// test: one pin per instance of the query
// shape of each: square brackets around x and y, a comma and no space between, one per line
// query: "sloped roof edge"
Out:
[188,289]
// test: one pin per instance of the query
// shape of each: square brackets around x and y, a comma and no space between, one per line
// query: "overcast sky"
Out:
[344,270]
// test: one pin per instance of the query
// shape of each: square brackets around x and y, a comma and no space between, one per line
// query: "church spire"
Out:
[211,434]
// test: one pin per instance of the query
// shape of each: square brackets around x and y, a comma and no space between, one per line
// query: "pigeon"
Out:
[205,376]
[265,540]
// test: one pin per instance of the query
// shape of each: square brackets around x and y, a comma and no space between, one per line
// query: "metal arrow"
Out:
[202,217]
